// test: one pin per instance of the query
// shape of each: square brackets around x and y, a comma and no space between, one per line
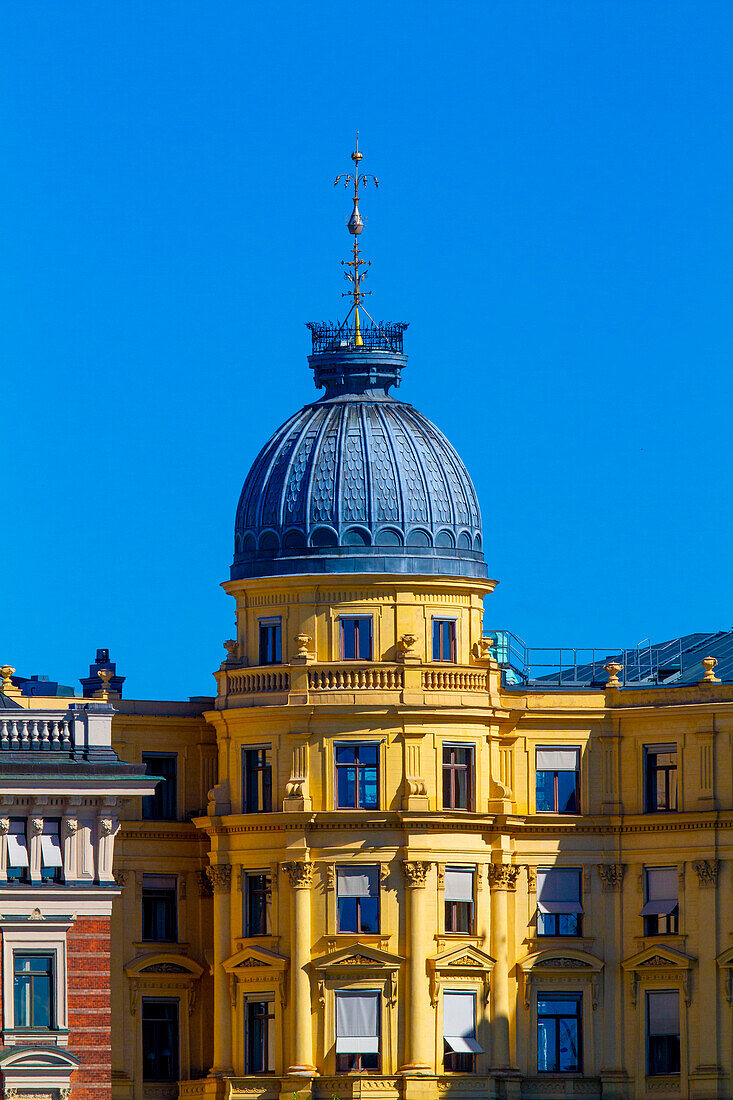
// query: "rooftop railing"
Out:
[382,336]
[83,729]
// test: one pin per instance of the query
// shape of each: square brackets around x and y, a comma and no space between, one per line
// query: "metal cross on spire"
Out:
[353,268]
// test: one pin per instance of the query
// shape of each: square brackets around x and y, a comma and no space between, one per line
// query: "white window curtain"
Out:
[663,1013]
[357,882]
[661,891]
[557,759]
[458,884]
[51,855]
[357,1023]
[17,845]
[558,891]
[459,1022]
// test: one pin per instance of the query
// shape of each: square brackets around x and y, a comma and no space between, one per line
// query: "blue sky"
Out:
[553,218]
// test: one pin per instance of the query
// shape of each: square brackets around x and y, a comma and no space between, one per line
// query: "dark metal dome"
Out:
[358,482]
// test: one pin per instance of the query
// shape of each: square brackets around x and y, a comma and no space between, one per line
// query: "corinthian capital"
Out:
[220,877]
[415,872]
[612,875]
[300,873]
[707,871]
[503,876]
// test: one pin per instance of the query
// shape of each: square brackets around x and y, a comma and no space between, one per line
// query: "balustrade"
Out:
[36,732]
[251,683]
[435,679]
[343,678]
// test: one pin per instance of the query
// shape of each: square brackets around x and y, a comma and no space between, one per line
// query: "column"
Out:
[708,1069]
[300,873]
[220,878]
[502,879]
[613,1073]
[420,1022]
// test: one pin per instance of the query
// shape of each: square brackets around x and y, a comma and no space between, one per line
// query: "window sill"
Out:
[162,945]
[542,943]
[663,939]
[22,1036]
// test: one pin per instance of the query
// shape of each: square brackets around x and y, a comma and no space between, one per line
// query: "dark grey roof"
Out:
[7,703]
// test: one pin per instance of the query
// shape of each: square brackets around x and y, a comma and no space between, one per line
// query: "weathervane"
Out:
[355,225]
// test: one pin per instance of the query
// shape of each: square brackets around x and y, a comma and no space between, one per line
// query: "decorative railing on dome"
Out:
[251,683]
[439,679]
[341,678]
[382,336]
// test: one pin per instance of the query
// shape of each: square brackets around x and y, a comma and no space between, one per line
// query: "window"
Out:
[163,805]
[457,777]
[159,908]
[661,908]
[256,781]
[459,1032]
[257,903]
[357,890]
[32,988]
[51,857]
[259,1047]
[661,778]
[357,781]
[17,850]
[270,641]
[560,912]
[558,780]
[459,899]
[444,640]
[357,1031]
[559,1032]
[663,1033]
[356,637]
[160,1040]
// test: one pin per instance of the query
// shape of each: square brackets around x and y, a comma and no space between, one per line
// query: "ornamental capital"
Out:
[612,875]
[220,877]
[707,871]
[71,825]
[106,825]
[4,825]
[300,873]
[503,876]
[531,878]
[37,825]
[416,871]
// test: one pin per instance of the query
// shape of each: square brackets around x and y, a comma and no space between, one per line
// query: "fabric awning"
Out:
[558,891]
[557,759]
[357,882]
[664,1013]
[459,1023]
[51,850]
[357,1023]
[661,891]
[17,847]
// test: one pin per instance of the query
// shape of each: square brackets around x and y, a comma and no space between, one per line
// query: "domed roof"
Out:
[358,482]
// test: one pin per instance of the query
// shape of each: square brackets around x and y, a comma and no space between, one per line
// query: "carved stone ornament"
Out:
[220,877]
[406,645]
[71,825]
[36,915]
[37,825]
[6,671]
[4,825]
[707,871]
[612,875]
[415,872]
[106,825]
[532,879]
[300,873]
[564,964]
[503,876]
[120,877]
[230,645]
[301,641]
[482,648]
[205,890]
[709,663]
[613,669]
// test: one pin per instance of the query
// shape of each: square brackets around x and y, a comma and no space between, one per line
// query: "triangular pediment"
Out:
[726,959]
[170,963]
[659,956]
[462,957]
[358,956]
[560,958]
[259,958]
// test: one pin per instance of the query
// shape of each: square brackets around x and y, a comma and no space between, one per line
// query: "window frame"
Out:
[248,894]
[176,1059]
[358,767]
[49,975]
[167,786]
[359,930]
[357,1058]
[171,893]
[263,779]
[651,788]
[577,749]
[23,869]
[267,1050]
[56,869]
[653,921]
[266,624]
[555,995]
[48,938]
[452,768]
[552,919]
[648,1037]
[439,622]
[355,619]
[464,1061]
[454,911]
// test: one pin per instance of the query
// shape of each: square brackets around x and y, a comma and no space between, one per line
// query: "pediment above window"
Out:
[462,957]
[659,956]
[41,1070]
[164,963]
[358,957]
[252,958]
[561,959]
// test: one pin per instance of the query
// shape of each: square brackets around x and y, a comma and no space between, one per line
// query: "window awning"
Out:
[357,1023]
[661,891]
[558,891]
[557,759]
[51,850]
[664,1013]
[459,1023]
[17,849]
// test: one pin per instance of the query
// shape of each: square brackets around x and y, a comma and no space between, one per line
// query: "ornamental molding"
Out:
[359,956]
[300,873]
[503,876]
[204,883]
[611,875]
[572,966]
[415,872]
[531,879]
[707,871]
[220,877]
[257,958]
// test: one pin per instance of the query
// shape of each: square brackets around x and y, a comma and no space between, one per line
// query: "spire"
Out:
[355,224]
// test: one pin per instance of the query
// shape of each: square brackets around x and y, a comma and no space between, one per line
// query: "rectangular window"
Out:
[457,777]
[259,1046]
[357,776]
[257,904]
[163,805]
[160,1040]
[661,907]
[459,899]
[51,856]
[444,640]
[460,1046]
[663,1033]
[356,637]
[159,908]
[357,1031]
[559,908]
[558,780]
[17,850]
[270,641]
[357,890]
[32,988]
[256,781]
[660,762]
[559,1032]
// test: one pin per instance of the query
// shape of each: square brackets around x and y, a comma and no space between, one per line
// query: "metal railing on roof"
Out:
[382,336]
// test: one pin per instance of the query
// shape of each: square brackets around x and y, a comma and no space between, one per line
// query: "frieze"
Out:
[565,963]
[165,968]
[358,960]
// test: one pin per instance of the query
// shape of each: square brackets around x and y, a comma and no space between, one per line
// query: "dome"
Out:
[358,482]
